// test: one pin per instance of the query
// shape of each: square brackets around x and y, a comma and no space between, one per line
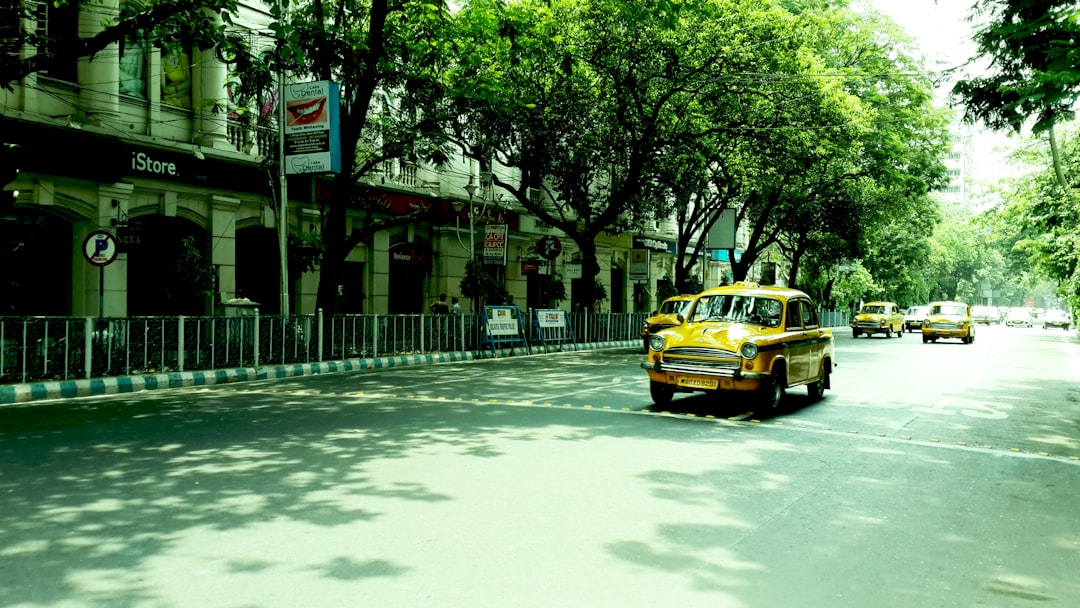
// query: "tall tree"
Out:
[1034,51]
[385,54]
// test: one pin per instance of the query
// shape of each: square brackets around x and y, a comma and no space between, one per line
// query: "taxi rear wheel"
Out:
[817,389]
[661,393]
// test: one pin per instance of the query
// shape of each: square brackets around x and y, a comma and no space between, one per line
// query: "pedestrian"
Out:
[455,306]
[440,307]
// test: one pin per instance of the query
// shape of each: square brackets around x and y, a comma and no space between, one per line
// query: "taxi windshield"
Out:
[756,310]
[950,309]
[672,307]
[873,310]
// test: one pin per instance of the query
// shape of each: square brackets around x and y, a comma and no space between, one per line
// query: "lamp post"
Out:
[471,189]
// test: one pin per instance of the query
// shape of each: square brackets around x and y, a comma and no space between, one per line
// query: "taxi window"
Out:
[794,316]
[876,309]
[950,309]
[756,310]
[809,315]
[671,307]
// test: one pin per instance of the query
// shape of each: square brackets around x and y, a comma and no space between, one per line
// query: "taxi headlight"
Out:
[656,342]
[749,350]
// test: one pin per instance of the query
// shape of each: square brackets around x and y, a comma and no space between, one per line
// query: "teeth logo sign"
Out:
[311,128]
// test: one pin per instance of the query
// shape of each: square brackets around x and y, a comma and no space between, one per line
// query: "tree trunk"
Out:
[1059,173]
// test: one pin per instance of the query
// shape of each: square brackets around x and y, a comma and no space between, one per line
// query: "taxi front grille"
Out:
[870,324]
[711,353]
[657,327]
[727,369]
[940,325]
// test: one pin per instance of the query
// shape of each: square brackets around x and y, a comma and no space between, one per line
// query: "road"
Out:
[930,475]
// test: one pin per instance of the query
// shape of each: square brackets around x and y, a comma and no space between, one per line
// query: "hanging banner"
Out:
[722,233]
[312,130]
[495,244]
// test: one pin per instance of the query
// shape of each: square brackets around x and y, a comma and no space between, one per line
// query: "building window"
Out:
[176,77]
[57,24]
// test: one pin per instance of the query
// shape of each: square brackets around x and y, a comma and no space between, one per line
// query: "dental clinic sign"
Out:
[312,128]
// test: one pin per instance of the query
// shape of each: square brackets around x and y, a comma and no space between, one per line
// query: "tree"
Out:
[1035,230]
[386,55]
[1034,52]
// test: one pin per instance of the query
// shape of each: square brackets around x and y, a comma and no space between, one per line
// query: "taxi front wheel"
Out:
[772,394]
[661,393]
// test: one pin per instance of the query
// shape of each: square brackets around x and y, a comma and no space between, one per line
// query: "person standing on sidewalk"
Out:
[440,307]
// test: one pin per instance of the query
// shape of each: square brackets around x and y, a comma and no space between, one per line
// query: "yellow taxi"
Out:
[878,318]
[948,320]
[666,316]
[742,338]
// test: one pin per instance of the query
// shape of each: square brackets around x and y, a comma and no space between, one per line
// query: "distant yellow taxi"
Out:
[878,318]
[666,316]
[948,320]
[742,338]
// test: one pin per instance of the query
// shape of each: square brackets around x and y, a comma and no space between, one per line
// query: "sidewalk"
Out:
[112,385]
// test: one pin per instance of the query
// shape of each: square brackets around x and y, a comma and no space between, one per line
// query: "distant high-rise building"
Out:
[959,163]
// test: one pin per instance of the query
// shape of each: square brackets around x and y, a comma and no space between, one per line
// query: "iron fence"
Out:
[36,349]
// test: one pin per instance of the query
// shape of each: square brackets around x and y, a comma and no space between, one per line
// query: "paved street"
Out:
[930,475]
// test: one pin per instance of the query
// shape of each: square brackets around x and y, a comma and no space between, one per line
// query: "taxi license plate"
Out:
[709,383]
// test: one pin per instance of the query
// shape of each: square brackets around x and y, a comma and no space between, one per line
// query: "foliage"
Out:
[1036,230]
[193,279]
[552,289]
[853,286]
[1032,48]
[482,287]
[665,289]
[306,251]
[164,23]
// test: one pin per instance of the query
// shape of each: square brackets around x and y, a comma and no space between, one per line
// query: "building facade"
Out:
[146,146]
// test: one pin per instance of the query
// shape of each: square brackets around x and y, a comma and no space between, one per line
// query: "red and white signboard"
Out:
[495,244]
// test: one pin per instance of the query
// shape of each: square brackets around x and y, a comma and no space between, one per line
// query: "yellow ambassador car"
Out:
[666,316]
[878,318]
[948,320]
[742,338]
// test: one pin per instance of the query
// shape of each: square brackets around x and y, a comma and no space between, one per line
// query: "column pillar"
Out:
[111,198]
[210,96]
[99,78]
[223,212]
[379,290]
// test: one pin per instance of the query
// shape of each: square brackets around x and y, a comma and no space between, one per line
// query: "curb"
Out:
[11,394]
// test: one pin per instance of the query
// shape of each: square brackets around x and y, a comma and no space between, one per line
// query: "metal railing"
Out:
[36,349]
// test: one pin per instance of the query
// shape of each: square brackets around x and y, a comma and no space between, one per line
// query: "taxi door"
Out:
[896,319]
[810,347]
[797,350]
[815,346]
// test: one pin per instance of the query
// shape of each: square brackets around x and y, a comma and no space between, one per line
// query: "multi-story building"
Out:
[959,165]
[144,144]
